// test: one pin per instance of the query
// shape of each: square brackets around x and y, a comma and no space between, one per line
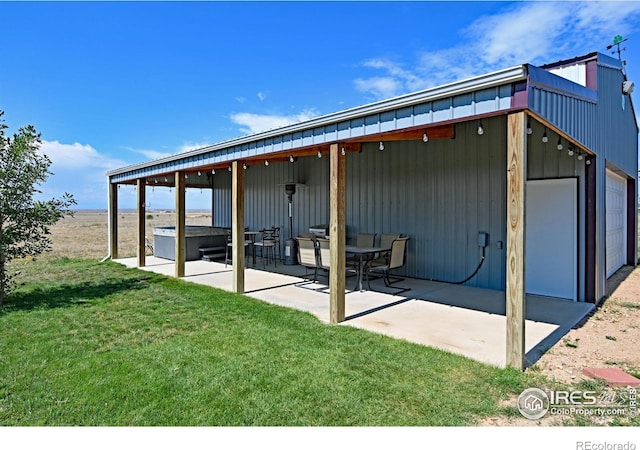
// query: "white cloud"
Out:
[149,154]
[262,96]
[254,123]
[527,32]
[188,146]
[80,170]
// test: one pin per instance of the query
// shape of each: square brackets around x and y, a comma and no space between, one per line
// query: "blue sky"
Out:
[116,83]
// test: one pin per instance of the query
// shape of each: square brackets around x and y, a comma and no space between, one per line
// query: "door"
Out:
[551,261]
[616,222]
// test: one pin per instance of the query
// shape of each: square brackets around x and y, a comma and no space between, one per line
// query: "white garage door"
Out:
[616,222]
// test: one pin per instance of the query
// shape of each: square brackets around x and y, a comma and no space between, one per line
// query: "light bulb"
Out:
[480,130]
[343,151]
[199,173]
[580,157]
[213,171]
[381,146]
[529,129]
[244,166]
[425,137]
[229,169]
[291,158]
[319,154]
[545,138]
[570,152]
[559,144]
[588,162]
[266,162]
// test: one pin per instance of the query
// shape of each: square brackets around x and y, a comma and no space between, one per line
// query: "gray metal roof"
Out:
[479,95]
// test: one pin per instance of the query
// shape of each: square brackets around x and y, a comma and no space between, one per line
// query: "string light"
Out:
[291,158]
[560,144]
[319,154]
[529,129]
[343,151]
[545,138]
[266,162]
[381,146]
[425,137]
[480,129]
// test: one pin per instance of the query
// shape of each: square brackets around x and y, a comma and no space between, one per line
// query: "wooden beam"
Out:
[337,234]
[237,226]
[141,190]
[181,240]
[113,220]
[515,289]
[439,132]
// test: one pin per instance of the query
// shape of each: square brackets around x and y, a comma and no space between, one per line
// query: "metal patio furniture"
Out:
[397,259]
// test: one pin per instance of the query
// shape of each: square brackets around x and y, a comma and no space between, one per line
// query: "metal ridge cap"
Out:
[511,74]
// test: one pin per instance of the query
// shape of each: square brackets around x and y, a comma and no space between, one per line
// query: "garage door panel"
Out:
[616,222]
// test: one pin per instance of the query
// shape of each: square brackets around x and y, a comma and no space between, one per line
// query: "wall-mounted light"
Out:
[529,129]
[545,138]
[425,137]
[381,146]
[560,143]
[480,129]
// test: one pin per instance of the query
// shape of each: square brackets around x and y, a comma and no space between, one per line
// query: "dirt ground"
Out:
[609,337]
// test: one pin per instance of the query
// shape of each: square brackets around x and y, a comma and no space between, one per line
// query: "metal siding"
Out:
[618,135]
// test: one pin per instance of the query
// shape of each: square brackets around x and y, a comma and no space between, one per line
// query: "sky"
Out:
[109,84]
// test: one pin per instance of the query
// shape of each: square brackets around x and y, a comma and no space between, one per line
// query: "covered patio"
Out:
[465,320]
[513,177]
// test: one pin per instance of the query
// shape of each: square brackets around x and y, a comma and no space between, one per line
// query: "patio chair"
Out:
[386,241]
[267,244]
[363,240]
[397,259]
[229,250]
[324,253]
[308,256]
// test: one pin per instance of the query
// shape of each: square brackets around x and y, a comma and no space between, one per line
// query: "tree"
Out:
[24,221]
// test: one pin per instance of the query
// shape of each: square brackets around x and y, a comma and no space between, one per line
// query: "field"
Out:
[85,234]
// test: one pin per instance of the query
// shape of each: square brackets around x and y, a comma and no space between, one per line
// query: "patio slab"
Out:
[460,319]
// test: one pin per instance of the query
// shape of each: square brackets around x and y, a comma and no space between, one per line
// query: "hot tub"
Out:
[196,236]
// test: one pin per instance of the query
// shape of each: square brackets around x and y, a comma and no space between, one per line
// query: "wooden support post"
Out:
[181,240]
[237,226]
[141,189]
[113,220]
[337,235]
[515,289]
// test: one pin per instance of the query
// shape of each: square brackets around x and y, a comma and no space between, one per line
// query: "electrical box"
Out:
[483,239]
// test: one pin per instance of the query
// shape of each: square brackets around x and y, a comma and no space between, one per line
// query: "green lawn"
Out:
[85,343]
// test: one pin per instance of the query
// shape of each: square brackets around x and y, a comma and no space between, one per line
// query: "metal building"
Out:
[533,169]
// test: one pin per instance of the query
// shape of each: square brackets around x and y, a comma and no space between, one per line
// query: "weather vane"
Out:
[616,43]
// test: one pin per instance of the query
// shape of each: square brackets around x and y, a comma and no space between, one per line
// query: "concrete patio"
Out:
[459,319]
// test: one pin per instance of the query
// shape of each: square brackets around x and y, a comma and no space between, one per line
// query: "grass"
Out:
[86,343]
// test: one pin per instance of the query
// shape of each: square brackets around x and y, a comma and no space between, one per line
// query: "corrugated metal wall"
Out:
[441,194]
[545,161]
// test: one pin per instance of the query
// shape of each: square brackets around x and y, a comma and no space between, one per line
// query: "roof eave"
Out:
[501,77]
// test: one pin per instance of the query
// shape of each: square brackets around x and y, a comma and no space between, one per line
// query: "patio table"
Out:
[364,254]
